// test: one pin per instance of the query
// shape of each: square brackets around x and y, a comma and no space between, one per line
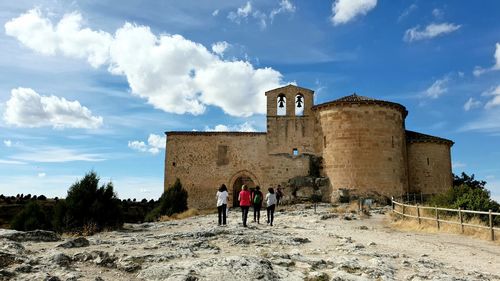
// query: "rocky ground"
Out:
[302,245]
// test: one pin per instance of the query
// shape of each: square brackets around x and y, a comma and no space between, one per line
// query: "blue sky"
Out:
[93,85]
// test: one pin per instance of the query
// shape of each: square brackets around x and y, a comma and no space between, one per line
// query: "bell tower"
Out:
[290,120]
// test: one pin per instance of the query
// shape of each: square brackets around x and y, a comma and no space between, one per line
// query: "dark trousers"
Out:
[270,214]
[244,214]
[256,212]
[222,214]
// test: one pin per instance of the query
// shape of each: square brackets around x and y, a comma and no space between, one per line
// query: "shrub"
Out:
[172,201]
[88,204]
[30,218]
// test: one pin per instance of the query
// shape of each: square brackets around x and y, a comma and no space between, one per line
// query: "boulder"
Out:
[75,243]
[33,236]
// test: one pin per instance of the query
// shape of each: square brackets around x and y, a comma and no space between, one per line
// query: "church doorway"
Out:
[241,180]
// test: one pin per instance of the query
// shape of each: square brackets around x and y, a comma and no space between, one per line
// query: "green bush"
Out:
[172,201]
[30,218]
[465,197]
[87,204]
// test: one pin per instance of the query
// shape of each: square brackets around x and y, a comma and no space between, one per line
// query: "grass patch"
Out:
[187,214]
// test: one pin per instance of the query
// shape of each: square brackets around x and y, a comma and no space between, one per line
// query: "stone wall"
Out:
[204,161]
[364,148]
[429,167]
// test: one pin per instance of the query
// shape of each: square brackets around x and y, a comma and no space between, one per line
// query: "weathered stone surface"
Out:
[34,236]
[75,243]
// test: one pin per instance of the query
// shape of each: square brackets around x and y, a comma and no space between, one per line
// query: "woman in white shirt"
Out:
[271,205]
[221,197]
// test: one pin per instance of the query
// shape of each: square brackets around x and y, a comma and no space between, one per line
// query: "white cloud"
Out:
[437,13]
[457,165]
[26,108]
[248,11]
[220,47]
[154,145]
[241,13]
[11,162]
[285,7]
[41,175]
[407,12]
[172,73]
[471,104]
[430,31]
[495,101]
[245,127]
[215,13]
[55,155]
[344,11]
[478,71]
[438,88]
[7,143]
[67,37]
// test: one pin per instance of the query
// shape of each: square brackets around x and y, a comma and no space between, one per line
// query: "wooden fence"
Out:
[436,210]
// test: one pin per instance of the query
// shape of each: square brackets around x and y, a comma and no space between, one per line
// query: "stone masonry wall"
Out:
[364,148]
[204,161]
[429,167]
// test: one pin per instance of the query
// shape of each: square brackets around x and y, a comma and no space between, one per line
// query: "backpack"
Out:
[257,198]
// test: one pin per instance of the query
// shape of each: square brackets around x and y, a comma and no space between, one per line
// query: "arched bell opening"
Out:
[281,105]
[299,105]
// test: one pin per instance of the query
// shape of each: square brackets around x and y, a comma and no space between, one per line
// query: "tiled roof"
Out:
[356,99]
[196,133]
[412,136]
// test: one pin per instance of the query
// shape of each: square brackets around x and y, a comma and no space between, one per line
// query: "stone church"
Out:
[362,145]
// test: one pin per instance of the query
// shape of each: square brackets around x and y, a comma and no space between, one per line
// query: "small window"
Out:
[428,163]
[173,164]
[324,141]
[295,152]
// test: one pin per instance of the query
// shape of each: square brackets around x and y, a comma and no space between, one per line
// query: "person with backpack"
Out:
[271,205]
[245,198]
[257,204]
[221,197]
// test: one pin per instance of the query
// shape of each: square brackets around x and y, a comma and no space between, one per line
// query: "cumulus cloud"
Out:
[41,175]
[67,37]
[26,108]
[154,145]
[471,104]
[220,47]
[248,11]
[478,71]
[344,11]
[7,143]
[495,100]
[437,88]
[430,31]
[215,13]
[245,127]
[171,72]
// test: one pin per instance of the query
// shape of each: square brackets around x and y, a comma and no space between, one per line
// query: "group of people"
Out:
[246,199]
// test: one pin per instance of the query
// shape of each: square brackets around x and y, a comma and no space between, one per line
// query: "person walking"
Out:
[271,205]
[279,195]
[257,199]
[245,198]
[221,197]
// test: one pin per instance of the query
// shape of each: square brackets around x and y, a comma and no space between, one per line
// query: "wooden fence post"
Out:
[491,227]
[418,214]
[437,217]
[392,203]
[461,218]
[403,210]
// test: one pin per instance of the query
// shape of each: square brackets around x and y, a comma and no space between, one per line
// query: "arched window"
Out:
[281,105]
[299,105]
